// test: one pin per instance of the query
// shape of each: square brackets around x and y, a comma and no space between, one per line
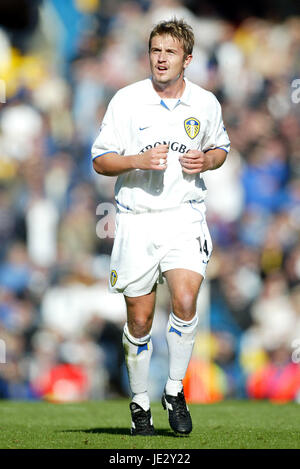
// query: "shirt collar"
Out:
[153,98]
[186,96]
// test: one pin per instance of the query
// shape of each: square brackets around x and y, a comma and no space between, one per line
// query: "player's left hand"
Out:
[194,161]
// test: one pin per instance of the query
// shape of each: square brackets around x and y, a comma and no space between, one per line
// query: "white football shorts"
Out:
[148,244]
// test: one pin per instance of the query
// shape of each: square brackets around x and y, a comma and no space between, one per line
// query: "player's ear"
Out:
[187,60]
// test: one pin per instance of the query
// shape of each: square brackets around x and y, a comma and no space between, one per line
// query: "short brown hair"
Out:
[179,30]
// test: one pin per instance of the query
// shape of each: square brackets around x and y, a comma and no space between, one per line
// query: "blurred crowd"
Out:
[60,328]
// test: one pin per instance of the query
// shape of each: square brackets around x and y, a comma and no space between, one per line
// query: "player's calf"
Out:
[180,338]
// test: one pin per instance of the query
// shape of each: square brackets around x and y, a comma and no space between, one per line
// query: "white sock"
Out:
[142,399]
[173,387]
[180,339]
[138,353]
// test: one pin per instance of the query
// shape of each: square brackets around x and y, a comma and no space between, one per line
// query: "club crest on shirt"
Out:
[113,278]
[192,127]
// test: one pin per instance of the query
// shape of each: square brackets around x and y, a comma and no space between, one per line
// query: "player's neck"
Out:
[170,90]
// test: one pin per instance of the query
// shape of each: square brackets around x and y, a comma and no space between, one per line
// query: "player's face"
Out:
[167,60]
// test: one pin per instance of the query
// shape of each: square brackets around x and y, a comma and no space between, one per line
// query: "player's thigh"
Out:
[134,262]
[140,312]
[184,286]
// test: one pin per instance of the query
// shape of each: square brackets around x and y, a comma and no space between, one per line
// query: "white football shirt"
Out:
[137,119]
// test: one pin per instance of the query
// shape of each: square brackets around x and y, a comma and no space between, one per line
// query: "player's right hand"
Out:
[154,158]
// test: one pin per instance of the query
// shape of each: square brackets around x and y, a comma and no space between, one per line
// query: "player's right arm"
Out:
[109,151]
[113,164]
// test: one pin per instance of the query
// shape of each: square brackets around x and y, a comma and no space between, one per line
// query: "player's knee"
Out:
[184,305]
[139,327]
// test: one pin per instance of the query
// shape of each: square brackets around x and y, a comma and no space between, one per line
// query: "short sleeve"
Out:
[216,136]
[109,139]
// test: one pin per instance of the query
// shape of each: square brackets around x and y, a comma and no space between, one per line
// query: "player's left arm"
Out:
[215,143]
[195,161]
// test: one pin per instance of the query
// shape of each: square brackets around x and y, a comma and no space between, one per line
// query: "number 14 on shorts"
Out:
[203,248]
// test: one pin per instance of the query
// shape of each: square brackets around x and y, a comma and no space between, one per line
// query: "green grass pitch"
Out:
[105,424]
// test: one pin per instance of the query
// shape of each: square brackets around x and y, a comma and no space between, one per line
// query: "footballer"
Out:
[159,136]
